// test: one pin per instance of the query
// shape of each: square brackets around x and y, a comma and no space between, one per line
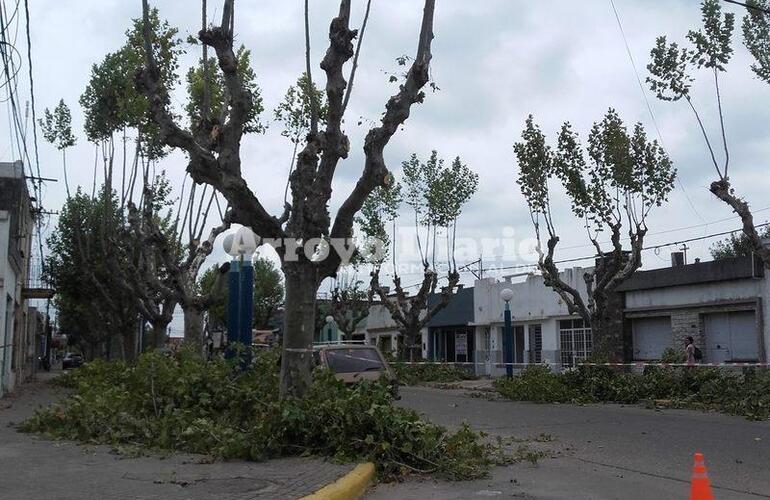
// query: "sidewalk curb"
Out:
[349,487]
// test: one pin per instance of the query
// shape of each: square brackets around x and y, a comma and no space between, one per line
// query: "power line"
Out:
[32,99]
[647,103]
[466,269]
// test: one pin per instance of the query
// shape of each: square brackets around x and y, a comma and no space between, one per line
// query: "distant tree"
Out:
[349,305]
[94,309]
[268,291]
[436,193]
[57,129]
[736,245]
[268,294]
[710,49]
[623,177]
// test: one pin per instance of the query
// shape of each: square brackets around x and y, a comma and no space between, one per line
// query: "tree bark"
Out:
[299,327]
[129,345]
[158,333]
[193,327]
[412,346]
[724,191]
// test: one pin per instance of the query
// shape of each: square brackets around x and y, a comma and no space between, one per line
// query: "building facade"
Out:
[543,329]
[721,304]
[17,343]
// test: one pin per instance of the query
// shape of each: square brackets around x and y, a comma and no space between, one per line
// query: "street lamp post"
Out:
[507,294]
[240,310]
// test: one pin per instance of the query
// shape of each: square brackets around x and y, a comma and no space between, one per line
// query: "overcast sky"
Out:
[494,61]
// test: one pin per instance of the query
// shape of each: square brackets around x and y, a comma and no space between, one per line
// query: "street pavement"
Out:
[602,451]
[36,468]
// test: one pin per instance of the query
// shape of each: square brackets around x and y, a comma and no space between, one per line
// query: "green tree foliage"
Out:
[436,194]
[699,388]
[671,75]
[379,210]
[182,403]
[218,100]
[268,294]
[623,174]
[111,101]
[756,37]
[617,180]
[57,126]
[95,308]
[294,111]
[735,245]
[57,130]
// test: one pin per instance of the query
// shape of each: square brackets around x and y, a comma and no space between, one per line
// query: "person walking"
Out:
[690,351]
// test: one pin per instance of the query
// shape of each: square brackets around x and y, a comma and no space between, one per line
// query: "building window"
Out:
[536,343]
[576,341]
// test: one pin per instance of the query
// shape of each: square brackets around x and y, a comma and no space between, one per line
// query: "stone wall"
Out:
[687,323]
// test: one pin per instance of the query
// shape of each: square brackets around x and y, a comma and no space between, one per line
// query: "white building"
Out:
[543,329]
[379,329]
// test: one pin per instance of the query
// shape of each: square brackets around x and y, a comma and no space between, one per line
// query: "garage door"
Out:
[731,337]
[651,337]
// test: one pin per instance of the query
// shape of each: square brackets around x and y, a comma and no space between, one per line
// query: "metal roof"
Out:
[458,312]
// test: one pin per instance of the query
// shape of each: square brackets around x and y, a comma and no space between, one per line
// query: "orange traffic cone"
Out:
[700,487]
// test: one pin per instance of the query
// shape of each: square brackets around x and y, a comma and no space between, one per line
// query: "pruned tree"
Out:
[349,305]
[214,158]
[710,49]
[57,130]
[618,182]
[436,194]
[145,275]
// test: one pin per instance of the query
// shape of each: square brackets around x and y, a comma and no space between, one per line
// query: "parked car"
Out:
[352,363]
[71,360]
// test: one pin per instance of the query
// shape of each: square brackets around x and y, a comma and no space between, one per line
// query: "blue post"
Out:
[246,302]
[233,305]
[508,341]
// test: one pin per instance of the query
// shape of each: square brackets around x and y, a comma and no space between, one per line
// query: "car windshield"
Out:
[353,360]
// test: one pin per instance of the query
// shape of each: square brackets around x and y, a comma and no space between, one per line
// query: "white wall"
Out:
[532,300]
[533,303]
[380,323]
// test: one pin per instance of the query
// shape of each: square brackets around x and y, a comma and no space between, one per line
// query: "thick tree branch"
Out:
[396,112]
[723,190]
[551,278]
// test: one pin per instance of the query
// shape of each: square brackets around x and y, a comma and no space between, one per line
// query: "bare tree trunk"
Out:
[607,328]
[193,327]
[724,191]
[129,339]
[158,333]
[412,347]
[299,327]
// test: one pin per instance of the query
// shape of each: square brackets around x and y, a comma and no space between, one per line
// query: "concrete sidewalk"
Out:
[32,467]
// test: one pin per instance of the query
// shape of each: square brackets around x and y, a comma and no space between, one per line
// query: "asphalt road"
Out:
[604,451]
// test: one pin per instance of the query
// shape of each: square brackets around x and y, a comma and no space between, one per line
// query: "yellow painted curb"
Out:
[349,487]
